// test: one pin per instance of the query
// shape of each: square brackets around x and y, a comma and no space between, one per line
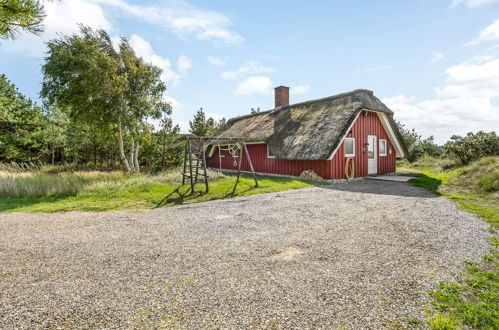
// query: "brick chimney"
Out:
[281,96]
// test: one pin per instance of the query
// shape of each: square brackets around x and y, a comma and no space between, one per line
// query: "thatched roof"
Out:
[308,130]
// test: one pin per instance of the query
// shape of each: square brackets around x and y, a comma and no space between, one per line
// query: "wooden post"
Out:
[197,162]
[190,165]
[250,164]
[238,170]
[185,160]
[204,167]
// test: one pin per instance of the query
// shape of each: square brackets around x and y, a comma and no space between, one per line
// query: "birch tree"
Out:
[85,76]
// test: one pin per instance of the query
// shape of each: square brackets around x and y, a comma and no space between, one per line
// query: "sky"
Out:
[435,63]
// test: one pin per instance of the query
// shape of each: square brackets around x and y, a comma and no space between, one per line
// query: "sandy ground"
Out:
[357,255]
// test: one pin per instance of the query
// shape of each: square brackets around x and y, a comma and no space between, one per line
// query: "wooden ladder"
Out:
[194,161]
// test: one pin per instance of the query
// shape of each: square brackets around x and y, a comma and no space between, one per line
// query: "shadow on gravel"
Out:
[379,187]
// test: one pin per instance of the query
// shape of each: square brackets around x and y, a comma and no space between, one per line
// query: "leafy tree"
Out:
[144,97]
[472,147]
[253,110]
[18,15]
[21,125]
[202,126]
[416,145]
[111,90]
[163,148]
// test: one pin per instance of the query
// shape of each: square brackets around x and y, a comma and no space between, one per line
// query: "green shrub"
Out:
[464,150]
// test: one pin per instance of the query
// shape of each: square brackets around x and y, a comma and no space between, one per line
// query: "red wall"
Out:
[328,169]
[364,126]
[262,164]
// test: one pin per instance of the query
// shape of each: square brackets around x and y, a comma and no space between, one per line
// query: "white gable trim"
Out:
[399,152]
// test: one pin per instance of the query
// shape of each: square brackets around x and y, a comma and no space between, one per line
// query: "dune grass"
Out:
[474,301]
[38,191]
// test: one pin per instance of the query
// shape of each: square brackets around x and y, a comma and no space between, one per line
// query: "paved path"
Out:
[359,254]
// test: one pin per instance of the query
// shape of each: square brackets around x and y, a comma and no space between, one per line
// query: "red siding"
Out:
[262,164]
[364,126]
[328,169]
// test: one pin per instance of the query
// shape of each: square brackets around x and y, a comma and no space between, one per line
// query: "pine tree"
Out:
[18,15]
[201,126]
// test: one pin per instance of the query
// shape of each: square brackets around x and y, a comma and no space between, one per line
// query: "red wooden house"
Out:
[325,135]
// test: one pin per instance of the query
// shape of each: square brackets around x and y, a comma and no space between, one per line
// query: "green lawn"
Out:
[137,193]
[474,301]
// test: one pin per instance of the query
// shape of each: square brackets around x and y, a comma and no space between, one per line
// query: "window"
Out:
[382,147]
[221,152]
[269,153]
[349,146]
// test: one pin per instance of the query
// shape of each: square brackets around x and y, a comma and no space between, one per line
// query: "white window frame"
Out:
[221,153]
[345,149]
[386,147]
[268,153]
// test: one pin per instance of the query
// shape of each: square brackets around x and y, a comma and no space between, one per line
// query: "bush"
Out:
[464,150]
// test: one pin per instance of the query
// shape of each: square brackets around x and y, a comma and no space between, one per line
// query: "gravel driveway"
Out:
[360,254]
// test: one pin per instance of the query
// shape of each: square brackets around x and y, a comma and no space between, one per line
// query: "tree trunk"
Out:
[136,156]
[121,147]
[53,154]
[132,149]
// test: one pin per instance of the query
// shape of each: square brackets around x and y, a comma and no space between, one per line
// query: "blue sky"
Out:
[434,63]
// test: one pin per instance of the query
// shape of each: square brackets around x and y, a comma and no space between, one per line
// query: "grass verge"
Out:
[135,193]
[474,301]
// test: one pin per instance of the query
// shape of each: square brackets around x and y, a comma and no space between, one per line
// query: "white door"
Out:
[372,155]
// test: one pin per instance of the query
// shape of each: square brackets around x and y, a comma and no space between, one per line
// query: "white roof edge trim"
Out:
[399,152]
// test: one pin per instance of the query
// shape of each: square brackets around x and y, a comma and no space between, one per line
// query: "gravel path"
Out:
[358,255]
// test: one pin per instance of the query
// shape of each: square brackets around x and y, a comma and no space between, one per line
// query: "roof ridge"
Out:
[332,97]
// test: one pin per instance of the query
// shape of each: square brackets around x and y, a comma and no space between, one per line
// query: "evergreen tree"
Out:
[22,125]
[18,15]
[202,126]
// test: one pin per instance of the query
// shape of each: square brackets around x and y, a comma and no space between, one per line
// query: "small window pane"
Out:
[349,147]
[382,147]
[269,153]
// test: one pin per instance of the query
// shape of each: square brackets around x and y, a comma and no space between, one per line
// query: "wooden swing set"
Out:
[195,169]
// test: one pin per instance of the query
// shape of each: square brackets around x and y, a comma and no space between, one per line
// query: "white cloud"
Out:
[214,115]
[184,63]
[464,103]
[378,68]
[182,19]
[437,57]
[490,33]
[61,17]
[143,49]
[247,68]
[254,85]
[473,3]
[176,105]
[215,61]
[300,89]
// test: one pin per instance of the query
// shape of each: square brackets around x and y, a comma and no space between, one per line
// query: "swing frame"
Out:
[207,141]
